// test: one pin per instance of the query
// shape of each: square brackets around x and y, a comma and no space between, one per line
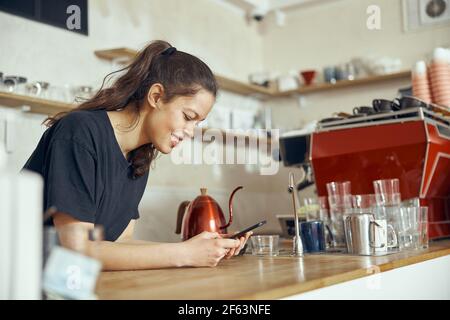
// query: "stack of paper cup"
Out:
[420,84]
[439,75]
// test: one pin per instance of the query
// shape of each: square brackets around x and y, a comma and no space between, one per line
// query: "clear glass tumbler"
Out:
[423,243]
[387,192]
[339,188]
[311,209]
[409,228]
[363,201]
[340,202]
[265,245]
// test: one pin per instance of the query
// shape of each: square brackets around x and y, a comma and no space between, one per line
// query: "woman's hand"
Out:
[208,248]
[243,240]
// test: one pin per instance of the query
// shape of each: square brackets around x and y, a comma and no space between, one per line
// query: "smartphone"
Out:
[243,232]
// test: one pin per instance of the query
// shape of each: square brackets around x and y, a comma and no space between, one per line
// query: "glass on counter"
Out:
[361,202]
[423,242]
[413,227]
[340,201]
[265,245]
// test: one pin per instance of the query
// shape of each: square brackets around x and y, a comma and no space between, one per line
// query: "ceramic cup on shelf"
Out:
[37,89]
[14,84]
[383,105]
[363,110]
[329,74]
[308,76]
[409,102]
[341,72]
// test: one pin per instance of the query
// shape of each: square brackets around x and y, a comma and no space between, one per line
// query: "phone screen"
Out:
[242,233]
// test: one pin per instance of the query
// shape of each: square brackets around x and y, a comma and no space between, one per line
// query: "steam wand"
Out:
[297,243]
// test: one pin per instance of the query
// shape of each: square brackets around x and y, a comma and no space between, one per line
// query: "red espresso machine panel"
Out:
[413,146]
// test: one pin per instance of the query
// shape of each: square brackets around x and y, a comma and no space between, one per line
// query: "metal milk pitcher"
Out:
[360,230]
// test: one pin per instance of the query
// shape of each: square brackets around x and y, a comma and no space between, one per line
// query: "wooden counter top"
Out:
[251,277]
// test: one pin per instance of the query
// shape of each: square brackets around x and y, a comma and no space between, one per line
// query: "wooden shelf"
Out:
[239,87]
[36,105]
[243,88]
[117,53]
[345,84]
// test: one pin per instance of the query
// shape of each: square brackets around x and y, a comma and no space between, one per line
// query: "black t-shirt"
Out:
[86,174]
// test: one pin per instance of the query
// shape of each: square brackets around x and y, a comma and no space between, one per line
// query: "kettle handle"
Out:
[180,215]
[230,207]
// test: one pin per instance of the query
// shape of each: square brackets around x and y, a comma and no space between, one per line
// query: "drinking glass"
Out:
[265,245]
[323,210]
[316,209]
[311,209]
[387,192]
[386,186]
[339,194]
[388,203]
[423,240]
[82,93]
[340,201]
[361,202]
[324,215]
[61,93]
[409,228]
[339,188]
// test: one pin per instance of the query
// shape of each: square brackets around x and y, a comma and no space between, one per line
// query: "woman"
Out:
[95,159]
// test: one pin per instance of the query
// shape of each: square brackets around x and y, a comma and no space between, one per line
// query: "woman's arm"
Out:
[127,235]
[206,249]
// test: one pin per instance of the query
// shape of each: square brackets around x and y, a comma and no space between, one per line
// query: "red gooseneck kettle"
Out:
[203,214]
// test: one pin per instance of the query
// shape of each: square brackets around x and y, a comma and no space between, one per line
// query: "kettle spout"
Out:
[230,207]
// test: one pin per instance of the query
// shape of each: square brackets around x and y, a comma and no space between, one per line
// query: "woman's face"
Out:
[169,123]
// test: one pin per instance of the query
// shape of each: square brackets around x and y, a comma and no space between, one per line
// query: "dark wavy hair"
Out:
[180,73]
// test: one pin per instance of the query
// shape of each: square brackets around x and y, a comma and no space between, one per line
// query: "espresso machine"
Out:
[412,145]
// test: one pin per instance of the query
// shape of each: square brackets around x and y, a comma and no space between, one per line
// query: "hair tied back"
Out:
[169,51]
